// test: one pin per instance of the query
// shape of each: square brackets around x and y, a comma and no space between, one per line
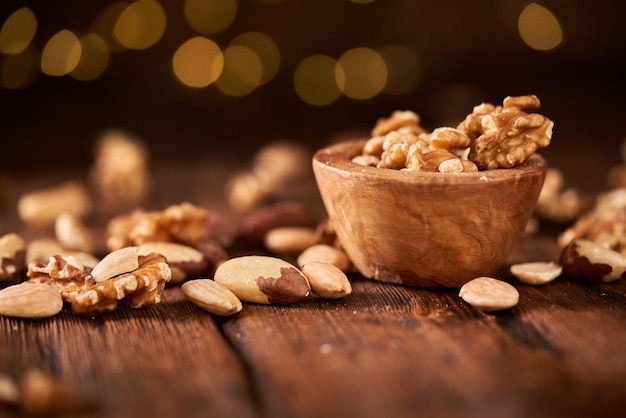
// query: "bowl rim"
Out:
[338,157]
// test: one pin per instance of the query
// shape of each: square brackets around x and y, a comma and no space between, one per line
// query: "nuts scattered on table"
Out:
[263,279]
[42,207]
[30,300]
[489,294]
[536,273]
[592,262]
[141,287]
[12,256]
[212,297]
[326,280]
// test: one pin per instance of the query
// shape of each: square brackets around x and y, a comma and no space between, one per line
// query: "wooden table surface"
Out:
[383,351]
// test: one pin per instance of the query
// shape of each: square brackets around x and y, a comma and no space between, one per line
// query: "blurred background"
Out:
[198,79]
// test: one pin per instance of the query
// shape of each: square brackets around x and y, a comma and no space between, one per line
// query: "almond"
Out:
[212,297]
[30,300]
[536,273]
[489,294]
[118,262]
[327,280]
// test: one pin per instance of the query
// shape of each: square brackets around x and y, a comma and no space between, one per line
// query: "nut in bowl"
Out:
[424,228]
[423,213]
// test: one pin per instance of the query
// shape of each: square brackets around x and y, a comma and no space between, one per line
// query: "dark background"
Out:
[469,52]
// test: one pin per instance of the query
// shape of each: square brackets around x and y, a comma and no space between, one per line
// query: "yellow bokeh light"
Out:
[104,24]
[18,31]
[314,80]
[94,58]
[140,25]
[210,16]
[361,73]
[19,70]
[61,53]
[265,47]
[243,71]
[198,62]
[403,69]
[539,28]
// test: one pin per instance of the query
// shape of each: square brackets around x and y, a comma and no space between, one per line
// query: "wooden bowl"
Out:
[421,228]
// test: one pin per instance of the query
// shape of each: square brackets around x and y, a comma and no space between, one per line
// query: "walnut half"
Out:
[141,287]
[506,135]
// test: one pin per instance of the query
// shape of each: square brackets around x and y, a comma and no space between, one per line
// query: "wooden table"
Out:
[383,351]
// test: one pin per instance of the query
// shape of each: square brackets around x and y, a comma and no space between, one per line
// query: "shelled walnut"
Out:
[604,223]
[142,286]
[183,223]
[490,137]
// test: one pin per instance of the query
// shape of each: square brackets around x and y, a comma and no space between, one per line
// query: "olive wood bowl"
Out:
[421,228]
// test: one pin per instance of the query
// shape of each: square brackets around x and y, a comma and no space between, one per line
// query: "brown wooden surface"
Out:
[383,351]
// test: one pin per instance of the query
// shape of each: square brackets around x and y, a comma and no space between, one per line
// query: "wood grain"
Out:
[163,361]
[385,350]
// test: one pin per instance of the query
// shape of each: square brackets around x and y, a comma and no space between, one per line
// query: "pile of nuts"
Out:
[142,251]
[490,137]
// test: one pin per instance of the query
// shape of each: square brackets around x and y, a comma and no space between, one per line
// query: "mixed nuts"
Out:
[146,250]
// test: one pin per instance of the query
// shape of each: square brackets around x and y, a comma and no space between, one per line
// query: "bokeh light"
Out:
[18,31]
[210,16]
[93,60]
[266,49]
[539,28]
[140,25]
[361,73]
[19,70]
[243,71]
[61,53]
[403,68]
[314,80]
[198,62]
[104,24]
